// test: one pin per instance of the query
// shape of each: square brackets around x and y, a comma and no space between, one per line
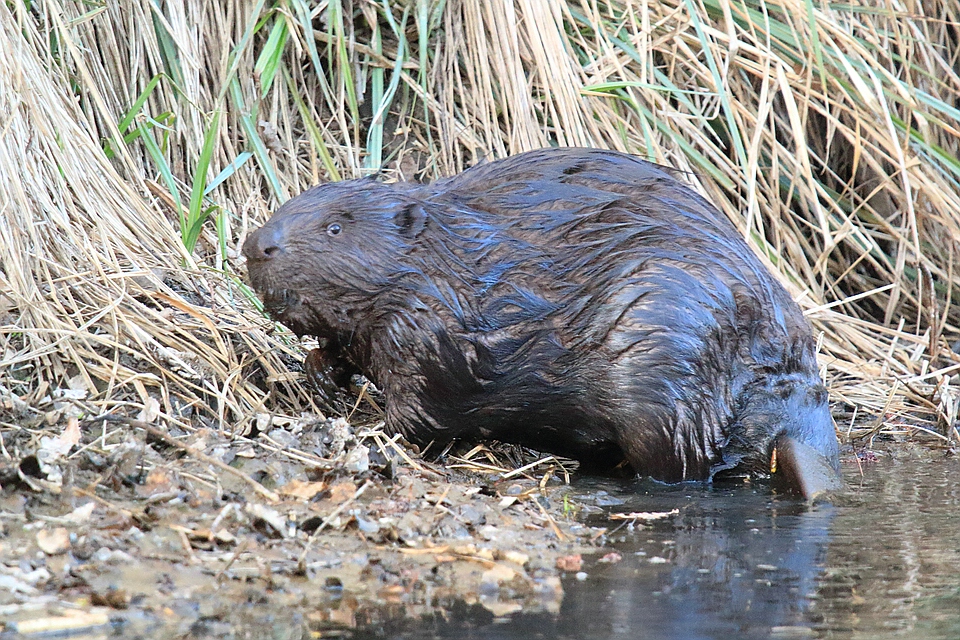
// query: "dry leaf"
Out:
[52,449]
[342,491]
[303,490]
[150,412]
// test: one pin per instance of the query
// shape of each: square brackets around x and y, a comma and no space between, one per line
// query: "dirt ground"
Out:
[108,524]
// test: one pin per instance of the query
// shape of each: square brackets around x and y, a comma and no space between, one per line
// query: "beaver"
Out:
[576,301]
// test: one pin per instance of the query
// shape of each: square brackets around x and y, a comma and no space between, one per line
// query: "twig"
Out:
[553,523]
[527,467]
[392,441]
[190,451]
[236,554]
[138,517]
[302,562]
[185,543]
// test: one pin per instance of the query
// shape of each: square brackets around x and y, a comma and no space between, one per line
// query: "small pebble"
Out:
[608,501]
[368,527]
[581,575]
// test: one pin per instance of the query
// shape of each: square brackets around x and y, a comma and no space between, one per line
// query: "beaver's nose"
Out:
[265,243]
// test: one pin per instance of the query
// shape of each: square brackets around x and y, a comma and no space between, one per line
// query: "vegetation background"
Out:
[141,141]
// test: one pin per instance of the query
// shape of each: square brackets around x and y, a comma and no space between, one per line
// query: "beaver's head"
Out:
[328,260]
[785,432]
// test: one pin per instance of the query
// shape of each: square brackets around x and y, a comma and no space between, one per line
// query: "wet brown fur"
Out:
[578,301]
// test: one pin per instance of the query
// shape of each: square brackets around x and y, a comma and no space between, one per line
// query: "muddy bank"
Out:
[111,524]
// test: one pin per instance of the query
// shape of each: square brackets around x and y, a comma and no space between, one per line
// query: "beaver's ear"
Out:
[411,219]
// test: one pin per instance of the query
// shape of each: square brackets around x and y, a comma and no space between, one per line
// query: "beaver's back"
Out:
[611,258]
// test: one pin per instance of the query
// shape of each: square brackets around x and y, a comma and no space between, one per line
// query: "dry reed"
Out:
[140,141]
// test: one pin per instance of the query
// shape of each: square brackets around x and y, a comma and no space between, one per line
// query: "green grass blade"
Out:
[316,137]
[153,149]
[383,98]
[269,60]
[228,171]
[241,46]
[672,90]
[375,131]
[248,120]
[733,129]
[138,103]
[303,18]
[196,215]
[222,233]
[168,47]
[815,44]
[344,64]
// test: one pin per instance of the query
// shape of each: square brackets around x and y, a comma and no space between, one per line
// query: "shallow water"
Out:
[883,561]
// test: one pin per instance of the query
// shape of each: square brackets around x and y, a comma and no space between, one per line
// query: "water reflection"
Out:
[882,562]
[893,567]
[733,563]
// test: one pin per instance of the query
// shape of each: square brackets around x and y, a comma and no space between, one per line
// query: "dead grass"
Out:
[128,132]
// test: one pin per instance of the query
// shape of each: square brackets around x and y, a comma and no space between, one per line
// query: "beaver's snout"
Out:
[265,243]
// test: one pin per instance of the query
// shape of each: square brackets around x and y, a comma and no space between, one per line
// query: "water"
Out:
[883,561]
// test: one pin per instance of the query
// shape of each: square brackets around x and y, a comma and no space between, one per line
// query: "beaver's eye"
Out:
[334,229]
